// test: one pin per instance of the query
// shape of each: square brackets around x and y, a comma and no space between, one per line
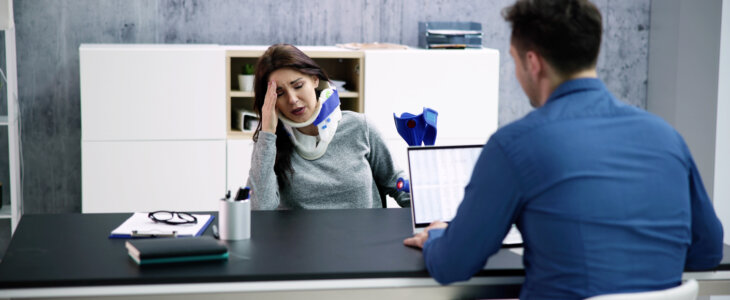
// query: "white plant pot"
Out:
[245,82]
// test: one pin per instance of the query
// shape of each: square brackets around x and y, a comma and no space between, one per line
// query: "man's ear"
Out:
[534,64]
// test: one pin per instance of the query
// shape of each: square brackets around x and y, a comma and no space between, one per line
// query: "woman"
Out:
[307,153]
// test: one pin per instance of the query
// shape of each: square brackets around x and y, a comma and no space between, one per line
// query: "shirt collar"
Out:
[575,85]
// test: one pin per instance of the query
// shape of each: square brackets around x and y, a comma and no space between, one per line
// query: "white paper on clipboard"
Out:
[141,224]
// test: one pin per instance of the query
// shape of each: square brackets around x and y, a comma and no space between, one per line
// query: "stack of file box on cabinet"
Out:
[450,35]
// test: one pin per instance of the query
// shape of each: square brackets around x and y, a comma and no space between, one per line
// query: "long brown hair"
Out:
[281,56]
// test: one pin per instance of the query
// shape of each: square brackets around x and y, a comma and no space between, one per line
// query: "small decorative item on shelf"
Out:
[340,85]
[245,80]
[246,120]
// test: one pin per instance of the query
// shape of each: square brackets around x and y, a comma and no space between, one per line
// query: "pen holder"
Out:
[234,220]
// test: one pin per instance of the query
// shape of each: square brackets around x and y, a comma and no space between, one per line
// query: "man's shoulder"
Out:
[541,122]
[514,130]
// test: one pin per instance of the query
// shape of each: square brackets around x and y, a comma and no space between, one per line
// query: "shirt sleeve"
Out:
[261,176]
[705,252]
[385,172]
[483,219]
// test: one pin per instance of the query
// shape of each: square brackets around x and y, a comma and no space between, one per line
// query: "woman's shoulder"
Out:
[351,116]
[353,123]
[354,119]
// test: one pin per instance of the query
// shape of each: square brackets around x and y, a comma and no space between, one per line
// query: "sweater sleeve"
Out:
[385,173]
[261,176]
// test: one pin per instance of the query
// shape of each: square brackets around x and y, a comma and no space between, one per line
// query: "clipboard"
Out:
[139,225]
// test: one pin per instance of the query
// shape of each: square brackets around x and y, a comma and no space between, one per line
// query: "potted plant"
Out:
[245,80]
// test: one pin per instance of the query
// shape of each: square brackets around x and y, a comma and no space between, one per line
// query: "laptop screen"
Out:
[438,176]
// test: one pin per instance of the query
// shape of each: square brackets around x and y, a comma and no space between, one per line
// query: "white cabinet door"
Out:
[153,175]
[239,162]
[461,85]
[152,92]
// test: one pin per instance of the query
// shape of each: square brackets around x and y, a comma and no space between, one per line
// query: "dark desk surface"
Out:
[57,250]
[73,250]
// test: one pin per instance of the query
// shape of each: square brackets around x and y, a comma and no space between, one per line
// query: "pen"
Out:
[242,194]
[138,234]
[215,231]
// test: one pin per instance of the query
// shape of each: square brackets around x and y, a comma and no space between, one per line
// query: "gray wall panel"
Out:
[685,59]
[49,33]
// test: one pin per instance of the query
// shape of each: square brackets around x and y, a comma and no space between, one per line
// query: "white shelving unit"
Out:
[152,127]
[7,24]
[462,86]
[177,149]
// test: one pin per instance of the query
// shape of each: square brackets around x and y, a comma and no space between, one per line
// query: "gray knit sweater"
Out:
[344,177]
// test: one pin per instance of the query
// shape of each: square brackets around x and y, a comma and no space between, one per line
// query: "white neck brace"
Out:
[313,147]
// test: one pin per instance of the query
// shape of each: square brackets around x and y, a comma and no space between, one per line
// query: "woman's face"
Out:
[295,95]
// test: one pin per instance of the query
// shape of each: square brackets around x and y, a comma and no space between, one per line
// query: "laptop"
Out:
[438,176]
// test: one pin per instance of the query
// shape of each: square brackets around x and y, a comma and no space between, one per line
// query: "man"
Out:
[607,197]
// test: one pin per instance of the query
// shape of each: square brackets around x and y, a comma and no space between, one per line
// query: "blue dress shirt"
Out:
[606,196]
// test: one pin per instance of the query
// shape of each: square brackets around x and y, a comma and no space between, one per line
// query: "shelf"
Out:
[5,212]
[348,95]
[237,134]
[3,120]
[235,93]
[241,94]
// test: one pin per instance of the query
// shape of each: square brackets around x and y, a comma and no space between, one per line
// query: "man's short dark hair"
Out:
[567,33]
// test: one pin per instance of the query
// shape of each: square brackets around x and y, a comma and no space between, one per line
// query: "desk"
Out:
[316,253]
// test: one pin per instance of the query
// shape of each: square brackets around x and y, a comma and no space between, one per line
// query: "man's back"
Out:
[607,206]
[601,192]
[606,196]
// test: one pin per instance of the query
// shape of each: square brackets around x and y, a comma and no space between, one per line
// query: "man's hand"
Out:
[269,114]
[420,238]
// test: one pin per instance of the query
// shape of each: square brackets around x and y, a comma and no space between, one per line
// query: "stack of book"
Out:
[170,250]
[450,35]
